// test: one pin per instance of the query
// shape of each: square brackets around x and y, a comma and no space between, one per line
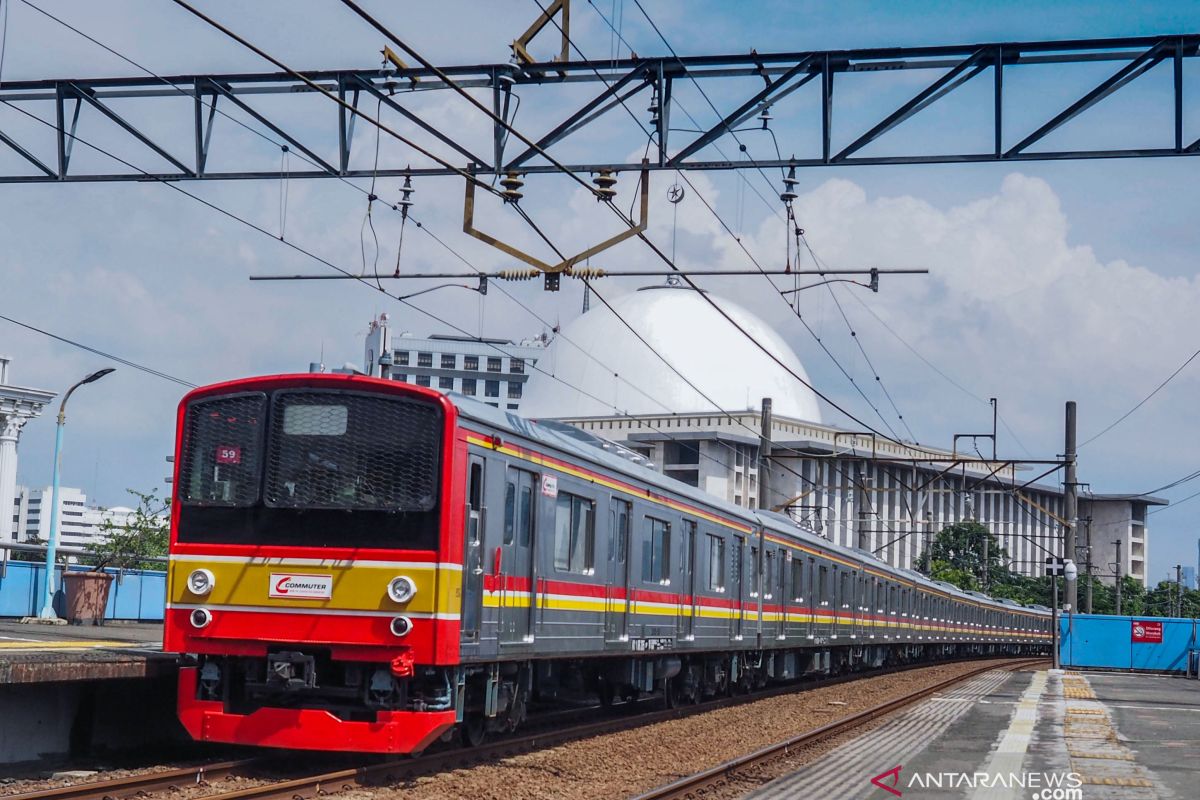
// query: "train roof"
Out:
[589,447]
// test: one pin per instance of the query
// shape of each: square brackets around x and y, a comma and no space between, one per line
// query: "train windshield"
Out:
[286,467]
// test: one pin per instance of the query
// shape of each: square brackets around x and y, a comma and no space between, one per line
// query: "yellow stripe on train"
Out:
[347,585]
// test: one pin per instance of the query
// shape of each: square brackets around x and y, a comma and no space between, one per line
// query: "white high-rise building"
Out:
[78,523]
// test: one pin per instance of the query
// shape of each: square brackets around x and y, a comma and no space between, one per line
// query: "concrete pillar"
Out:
[18,405]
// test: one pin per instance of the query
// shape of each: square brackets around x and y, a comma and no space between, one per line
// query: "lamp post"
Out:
[47,612]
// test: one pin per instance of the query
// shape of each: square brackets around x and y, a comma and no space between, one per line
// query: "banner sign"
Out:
[1147,632]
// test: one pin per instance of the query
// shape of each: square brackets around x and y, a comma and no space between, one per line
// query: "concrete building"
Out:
[883,497]
[1106,519]
[78,523]
[18,405]
[493,371]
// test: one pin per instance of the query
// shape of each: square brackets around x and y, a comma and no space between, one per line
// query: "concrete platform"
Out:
[1016,736]
[31,653]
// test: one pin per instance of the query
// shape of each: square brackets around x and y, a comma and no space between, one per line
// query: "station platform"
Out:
[33,653]
[1043,734]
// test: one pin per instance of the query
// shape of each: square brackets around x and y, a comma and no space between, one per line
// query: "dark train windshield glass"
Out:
[352,451]
[311,467]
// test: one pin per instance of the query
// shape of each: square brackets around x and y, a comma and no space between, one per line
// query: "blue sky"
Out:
[1055,281]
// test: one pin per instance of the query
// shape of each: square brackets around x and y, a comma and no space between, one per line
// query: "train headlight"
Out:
[201,581]
[401,589]
[401,626]
[201,617]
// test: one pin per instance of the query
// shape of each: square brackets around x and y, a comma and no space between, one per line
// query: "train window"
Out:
[574,534]
[689,542]
[769,573]
[656,552]
[518,507]
[797,579]
[716,563]
[754,567]
[843,592]
[620,529]
[735,564]
[222,445]
[474,500]
[822,585]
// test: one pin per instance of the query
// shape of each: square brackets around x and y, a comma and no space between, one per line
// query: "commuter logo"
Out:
[309,587]
[892,776]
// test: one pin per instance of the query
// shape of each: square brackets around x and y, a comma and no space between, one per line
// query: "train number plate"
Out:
[301,585]
[653,643]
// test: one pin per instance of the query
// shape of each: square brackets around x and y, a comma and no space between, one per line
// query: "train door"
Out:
[473,552]
[516,569]
[811,598]
[616,586]
[688,604]
[784,566]
[737,564]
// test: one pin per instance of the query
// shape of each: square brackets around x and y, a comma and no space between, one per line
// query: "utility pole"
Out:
[1118,546]
[1179,590]
[764,456]
[1070,503]
[928,542]
[986,536]
[860,506]
[1088,565]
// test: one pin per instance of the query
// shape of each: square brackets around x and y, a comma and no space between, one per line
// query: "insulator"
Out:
[605,182]
[653,108]
[789,186]
[518,274]
[765,117]
[406,193]
[512,184]
[586,273]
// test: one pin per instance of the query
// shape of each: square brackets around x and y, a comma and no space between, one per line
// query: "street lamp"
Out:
[47,611]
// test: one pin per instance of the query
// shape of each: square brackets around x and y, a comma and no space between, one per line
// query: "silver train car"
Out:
[585,571]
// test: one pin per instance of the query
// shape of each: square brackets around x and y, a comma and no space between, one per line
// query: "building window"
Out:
[716,563]
[446,384]
[448,361]
[681,453]
[400,358]
[402,377]
[514,390]
[493,365]
[656,552]
[491,388]
[422,380]
[517,365]
[424,359]
[574,534]
[468,387]
[511,406]
[471,362]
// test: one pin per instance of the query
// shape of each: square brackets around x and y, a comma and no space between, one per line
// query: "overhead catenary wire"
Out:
[118,359]
[1143,401]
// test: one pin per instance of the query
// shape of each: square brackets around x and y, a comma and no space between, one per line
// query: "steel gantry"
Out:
[43,142]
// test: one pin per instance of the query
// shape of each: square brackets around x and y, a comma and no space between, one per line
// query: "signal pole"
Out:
[1070,504]
[1091,579]
[1179,590]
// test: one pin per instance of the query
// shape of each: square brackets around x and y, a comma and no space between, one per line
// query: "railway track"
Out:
[393,771]
[704,782]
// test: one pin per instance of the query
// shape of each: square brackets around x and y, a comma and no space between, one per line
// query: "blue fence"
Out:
[135,595]
[1156,644]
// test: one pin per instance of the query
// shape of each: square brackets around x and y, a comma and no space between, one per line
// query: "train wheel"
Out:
[670,694]
[473,730]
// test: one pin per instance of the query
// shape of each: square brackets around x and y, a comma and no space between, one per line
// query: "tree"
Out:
[142,535]
[956,556]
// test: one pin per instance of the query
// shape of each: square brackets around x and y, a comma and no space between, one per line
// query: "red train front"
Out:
[313,581]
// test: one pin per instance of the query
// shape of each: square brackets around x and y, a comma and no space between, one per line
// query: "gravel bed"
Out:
[634,761]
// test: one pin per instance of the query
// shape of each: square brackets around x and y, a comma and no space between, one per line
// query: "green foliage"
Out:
[127,544]
[33,558]
[959,553]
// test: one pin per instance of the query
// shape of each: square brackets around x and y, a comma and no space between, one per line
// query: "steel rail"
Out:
[136,785]
[701,782]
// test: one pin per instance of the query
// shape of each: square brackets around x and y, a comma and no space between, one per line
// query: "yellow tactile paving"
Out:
[79,644]
[1095,751]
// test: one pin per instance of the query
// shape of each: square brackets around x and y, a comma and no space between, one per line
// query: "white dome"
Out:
[692,336]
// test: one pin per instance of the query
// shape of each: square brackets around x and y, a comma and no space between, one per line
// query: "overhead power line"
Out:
[1144,400]
[126,362]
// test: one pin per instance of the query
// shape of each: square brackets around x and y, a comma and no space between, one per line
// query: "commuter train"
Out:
[364,565]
